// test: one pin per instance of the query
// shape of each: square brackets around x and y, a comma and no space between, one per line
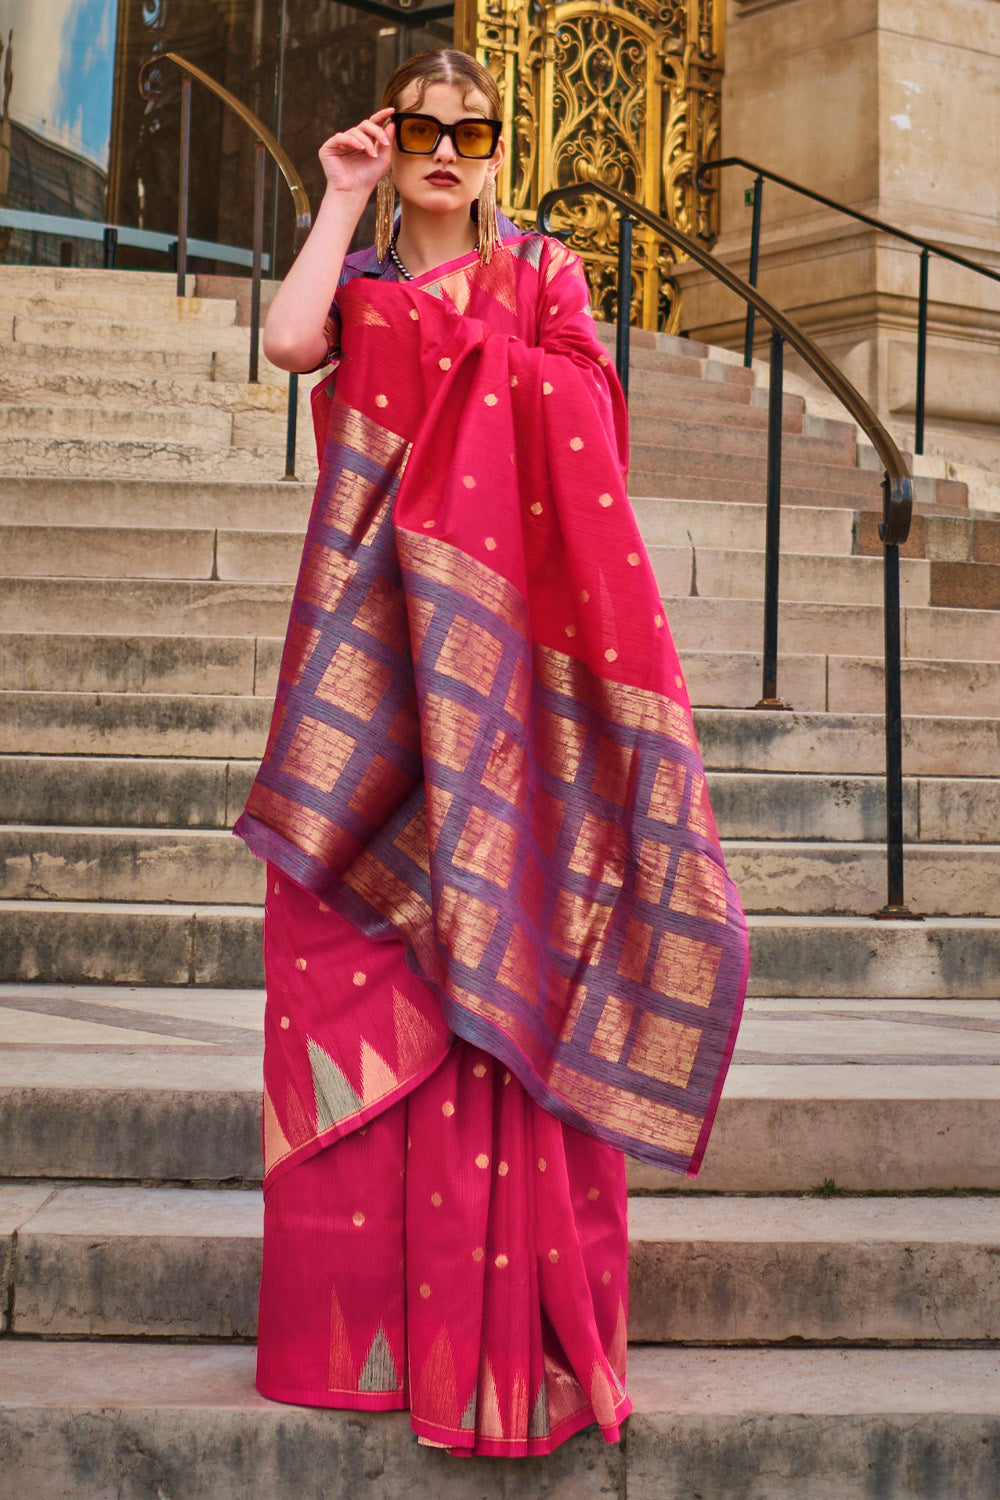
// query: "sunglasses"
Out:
[420,135]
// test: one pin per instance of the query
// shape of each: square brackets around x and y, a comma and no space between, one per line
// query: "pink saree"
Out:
[501,944]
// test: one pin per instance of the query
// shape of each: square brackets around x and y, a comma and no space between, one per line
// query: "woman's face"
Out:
[443,181]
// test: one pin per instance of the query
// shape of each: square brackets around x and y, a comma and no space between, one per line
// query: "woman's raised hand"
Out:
[354,160]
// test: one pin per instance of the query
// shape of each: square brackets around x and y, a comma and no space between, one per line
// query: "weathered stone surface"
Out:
[766,1270]
[120,792]
[122,1261]
[121,1422]
[135,724]
[146,606]
[949,958]
[837,1424]
[43,661]
[127,865]
[943,879]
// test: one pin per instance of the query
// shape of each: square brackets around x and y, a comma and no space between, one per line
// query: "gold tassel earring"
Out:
[385,212]
[486,218]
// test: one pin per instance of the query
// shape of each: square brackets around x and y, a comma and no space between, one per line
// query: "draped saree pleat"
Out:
[462,1254]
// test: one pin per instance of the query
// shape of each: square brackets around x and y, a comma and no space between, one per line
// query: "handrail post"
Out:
[110,247]
[918,438]
[291,425]
[258,250]
[184,186]
[769,689]
[895,906]
[758,200]
[624,299]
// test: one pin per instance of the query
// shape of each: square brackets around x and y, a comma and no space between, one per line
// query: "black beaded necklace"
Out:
[394,257]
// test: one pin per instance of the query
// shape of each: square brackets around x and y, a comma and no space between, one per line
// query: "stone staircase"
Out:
[817,1316]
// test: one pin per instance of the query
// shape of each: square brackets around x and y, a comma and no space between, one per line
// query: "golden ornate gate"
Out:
[620,91]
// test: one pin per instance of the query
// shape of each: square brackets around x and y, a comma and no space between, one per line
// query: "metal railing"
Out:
[927,248]
[62,227]
[897,489]
[265,143]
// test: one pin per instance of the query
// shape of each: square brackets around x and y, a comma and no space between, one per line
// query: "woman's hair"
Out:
[443,66]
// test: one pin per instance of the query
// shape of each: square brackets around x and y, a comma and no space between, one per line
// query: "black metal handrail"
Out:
[926,247]
[897,488]
[265,143]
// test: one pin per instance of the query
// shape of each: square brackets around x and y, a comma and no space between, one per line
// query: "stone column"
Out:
[893,107]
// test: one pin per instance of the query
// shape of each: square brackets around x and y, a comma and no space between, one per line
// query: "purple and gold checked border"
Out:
[540,836]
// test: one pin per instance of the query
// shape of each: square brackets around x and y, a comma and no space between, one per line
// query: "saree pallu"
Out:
[482,757]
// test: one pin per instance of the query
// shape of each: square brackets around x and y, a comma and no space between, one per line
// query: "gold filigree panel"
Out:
[626,93]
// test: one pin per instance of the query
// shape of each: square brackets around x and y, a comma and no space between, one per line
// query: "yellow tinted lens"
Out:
[474,138]
[417,135]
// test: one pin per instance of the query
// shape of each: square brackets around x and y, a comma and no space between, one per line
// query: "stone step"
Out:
[119,552]
[706,523]
[798,878]
[137,459]
[733,1424]
[28,279]
[842,684]
[144,606]
[646,476]
[232,727]
[128,791]
[87,942]
[51,662]
[103,305]
[180,793]
[126,864]
[209,866]
[63,331]
[723,573]
[674,434]
[934,634]
[258,505]
[29,362]
[163,1085]
[41,385]
[206,427]
[122,1261]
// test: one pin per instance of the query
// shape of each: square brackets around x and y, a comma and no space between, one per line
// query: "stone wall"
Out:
[893,107]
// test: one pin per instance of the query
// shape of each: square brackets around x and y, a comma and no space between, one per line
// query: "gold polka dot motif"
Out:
[358,1219]
[381,400]
[605,500]
[414,315]
[606,1278]
[501,1262]
[444,364]
[482,1161]
[478,1253]
[576,444]
[611,654]
[436,1200]
[554,1257]
[285,1023]
[547,389]
[300,963]
[542,1164]
[490,544]
[425,1290]
[358,978]
[469,482]
[479,1071]
[490,400]
[593,1194]
[447,1109]
[502,1169]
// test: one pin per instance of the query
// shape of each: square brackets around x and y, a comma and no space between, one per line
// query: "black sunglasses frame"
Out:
[447,130]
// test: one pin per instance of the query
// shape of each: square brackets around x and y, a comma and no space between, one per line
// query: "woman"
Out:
[500,943]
